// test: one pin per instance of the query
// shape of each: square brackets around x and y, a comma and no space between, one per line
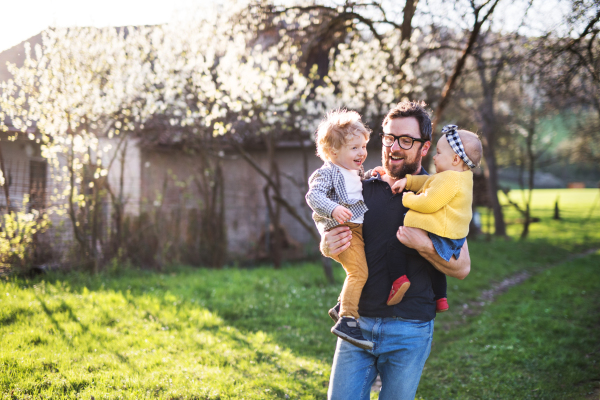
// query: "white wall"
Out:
[131,168]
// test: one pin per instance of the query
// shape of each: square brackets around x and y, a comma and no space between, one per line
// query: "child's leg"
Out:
[446,248]
[438,282]
[396,265]
[355,264]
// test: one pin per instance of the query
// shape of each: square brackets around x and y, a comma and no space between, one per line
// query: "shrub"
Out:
[18,242]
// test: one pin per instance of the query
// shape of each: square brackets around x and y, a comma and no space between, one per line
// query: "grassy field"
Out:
[539,340]
[264,334]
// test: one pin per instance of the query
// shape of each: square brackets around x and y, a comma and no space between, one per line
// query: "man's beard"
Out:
[400,172]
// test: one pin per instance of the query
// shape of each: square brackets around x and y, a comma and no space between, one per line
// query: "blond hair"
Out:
[472,145]
[336,129]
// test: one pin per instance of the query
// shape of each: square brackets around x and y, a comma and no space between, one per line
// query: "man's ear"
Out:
[425,148]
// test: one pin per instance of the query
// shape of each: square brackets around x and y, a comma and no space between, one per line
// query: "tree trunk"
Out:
[526,222]
[119,209]
[116,229]
[531,174]
[487,116]
[72,212]
[212,241]
[220,252]
[492,177]
[409,12]
[488,121]
[274,209]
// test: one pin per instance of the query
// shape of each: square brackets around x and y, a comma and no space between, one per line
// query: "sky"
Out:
[22,19]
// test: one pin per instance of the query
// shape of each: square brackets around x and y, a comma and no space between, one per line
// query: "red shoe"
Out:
[441,305]
[399,287]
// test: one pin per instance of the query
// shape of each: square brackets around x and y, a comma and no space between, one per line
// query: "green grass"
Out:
[264,334]
[539,340]
[550,241]
[574,205]
[199,334]
[572,202]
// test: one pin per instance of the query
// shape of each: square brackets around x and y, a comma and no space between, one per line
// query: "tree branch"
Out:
[451,82]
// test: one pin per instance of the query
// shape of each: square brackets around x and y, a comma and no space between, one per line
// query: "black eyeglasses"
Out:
[405,142]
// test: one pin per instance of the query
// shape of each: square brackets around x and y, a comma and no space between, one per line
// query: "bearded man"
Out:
[402,333]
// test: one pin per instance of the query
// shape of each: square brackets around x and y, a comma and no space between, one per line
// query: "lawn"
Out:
[538,340]
[199,334]
[264,334]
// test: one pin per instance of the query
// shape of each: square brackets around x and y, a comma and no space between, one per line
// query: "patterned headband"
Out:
[456,144]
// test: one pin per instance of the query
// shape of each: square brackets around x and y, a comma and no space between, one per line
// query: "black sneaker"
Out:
[334,312]
[349,330]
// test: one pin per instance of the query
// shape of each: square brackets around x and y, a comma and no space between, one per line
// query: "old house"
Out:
[156,179]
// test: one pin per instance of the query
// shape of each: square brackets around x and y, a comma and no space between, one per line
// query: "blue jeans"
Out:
[401,349]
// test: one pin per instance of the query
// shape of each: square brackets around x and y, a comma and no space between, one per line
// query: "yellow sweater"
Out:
[442,204]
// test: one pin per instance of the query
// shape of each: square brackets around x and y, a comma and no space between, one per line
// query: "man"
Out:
[402,333]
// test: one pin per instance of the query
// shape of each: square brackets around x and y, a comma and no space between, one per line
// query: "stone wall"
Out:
[246,212]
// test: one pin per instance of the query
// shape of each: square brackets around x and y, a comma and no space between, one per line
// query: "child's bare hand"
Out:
[341,214]
[399,186]
[379,170]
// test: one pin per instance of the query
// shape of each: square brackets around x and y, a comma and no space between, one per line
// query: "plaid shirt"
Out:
[327,190]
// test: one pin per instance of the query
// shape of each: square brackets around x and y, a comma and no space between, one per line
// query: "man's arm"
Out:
[418,239]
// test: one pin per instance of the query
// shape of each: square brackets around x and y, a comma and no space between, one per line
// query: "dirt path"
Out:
[488,296]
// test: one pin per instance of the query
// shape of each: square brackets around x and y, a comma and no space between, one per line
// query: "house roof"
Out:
[16,55]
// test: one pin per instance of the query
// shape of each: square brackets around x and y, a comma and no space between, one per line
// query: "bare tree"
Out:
[490,76]
[481,13]
[576,58]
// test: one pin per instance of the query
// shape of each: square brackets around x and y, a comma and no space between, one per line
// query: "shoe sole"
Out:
[334,314]
[399,295]
[357,343]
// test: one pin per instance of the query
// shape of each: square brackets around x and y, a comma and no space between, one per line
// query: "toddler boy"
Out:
[335,196]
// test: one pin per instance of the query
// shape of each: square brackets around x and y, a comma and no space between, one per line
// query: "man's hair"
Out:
[415,109]
[336,129]
[472,145]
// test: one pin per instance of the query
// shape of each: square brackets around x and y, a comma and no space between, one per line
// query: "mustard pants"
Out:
[355,264]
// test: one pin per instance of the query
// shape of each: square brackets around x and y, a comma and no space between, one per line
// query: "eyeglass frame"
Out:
[397,139]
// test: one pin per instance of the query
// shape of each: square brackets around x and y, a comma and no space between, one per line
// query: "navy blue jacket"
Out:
[385,215]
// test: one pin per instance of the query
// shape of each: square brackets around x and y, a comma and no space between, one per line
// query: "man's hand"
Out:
[399,186]
[335,241]
[414,238]
[379,170]
[341,214]
[418,239]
